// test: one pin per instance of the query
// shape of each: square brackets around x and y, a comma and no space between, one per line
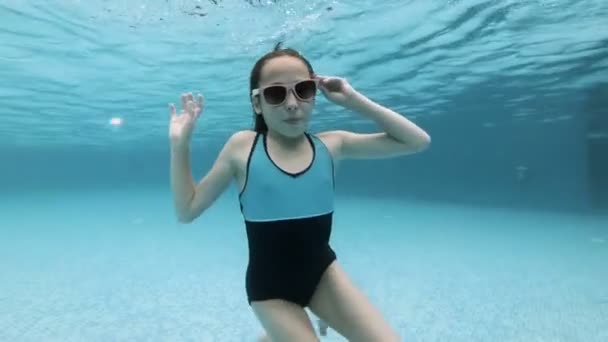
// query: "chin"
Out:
[294,132]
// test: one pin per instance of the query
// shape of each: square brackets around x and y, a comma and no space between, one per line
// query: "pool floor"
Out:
[116,266]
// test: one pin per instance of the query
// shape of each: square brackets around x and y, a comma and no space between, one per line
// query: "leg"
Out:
[339,303]
[284,321]
[322,331]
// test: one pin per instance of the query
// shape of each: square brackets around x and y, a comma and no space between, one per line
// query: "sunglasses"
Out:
[277,93]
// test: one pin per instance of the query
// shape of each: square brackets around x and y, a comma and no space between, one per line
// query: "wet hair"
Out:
[254,80]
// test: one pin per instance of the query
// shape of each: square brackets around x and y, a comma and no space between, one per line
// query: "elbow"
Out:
[184,217]
[422,143]
[188,215]
[425,141]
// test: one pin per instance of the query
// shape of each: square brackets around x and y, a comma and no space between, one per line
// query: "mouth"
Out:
[293,121]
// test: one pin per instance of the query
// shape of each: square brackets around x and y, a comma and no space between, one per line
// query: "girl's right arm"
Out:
[190,199]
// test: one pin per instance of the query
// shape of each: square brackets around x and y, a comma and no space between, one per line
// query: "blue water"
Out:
[498,232]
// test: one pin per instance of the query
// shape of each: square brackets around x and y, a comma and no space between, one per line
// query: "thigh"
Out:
[284,321]
[347,310]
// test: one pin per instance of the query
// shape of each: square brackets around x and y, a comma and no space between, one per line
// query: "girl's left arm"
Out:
[400,136]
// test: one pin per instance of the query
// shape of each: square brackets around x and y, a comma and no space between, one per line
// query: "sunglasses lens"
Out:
[306,89]
[275,94]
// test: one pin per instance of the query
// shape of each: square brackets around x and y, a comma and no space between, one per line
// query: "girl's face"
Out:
[285,96]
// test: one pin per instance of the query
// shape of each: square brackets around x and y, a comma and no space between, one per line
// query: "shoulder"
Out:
[332,136]
[241,139]
[239,145]
[333,141]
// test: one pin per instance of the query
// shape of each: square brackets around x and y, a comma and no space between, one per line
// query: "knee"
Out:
[264,338]
[383,338]
[391,336]
[380,336]
[396,338]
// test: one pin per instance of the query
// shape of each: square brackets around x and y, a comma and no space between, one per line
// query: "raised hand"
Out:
[336,89]
[181,125]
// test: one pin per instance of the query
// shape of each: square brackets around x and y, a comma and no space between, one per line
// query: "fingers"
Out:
[198,105]
[327,79]
[190,105]
[199,101]
[186,98]
[172,112]
[191,108]
[322,79]
[184,101]
[333,84]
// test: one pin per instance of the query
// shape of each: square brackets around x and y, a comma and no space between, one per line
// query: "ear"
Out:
[255,102]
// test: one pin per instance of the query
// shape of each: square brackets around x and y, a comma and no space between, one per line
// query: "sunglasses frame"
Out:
[290,87]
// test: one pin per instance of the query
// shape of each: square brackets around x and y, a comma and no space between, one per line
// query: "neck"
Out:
[289,142]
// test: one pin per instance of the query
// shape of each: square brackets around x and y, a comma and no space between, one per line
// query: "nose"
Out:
[291,103]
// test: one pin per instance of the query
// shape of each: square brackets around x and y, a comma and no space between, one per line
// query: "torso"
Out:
[282,158]
[287,202]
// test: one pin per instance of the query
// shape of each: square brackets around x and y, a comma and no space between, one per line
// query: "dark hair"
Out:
[254,80]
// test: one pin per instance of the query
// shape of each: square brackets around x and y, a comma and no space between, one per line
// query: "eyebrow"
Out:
[294,81]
